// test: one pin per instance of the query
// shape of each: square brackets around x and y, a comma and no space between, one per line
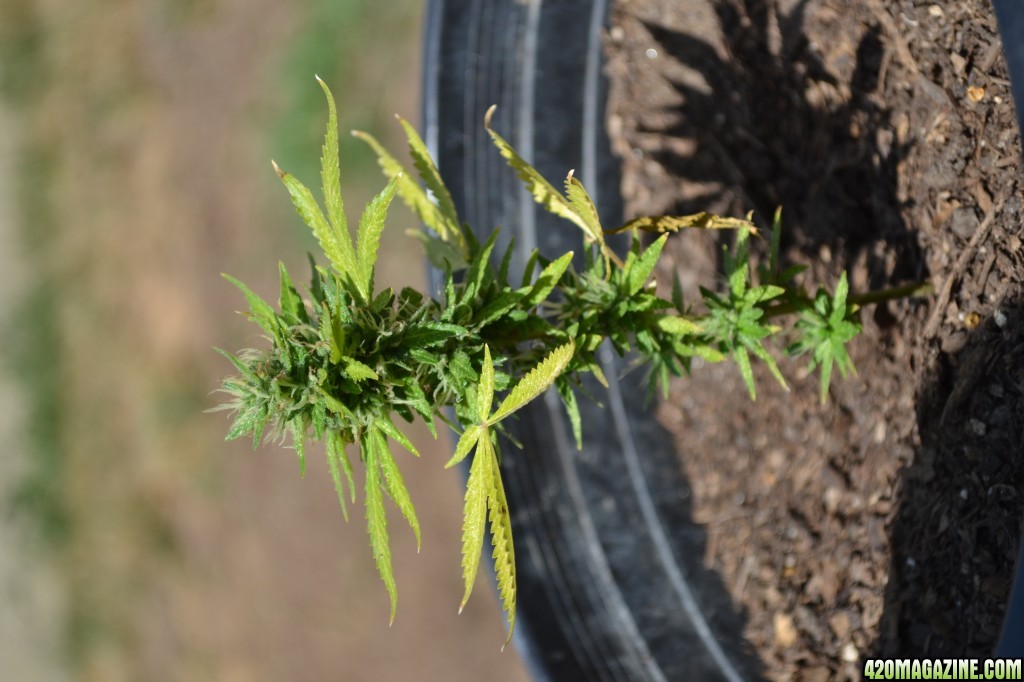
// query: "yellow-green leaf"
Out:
[547,280]
[583,206]
[330,173]
[668,223]
[388,427]
[535,382]
[335,453]
[377,525]
[466,442]
[337,246]
[413,196]
[357,371]
[395,484]
[430,176]
[370,227]
[504,554]
[678,326]
[474,516]
[642,266]
[261,311]
[541,190]
[485,392]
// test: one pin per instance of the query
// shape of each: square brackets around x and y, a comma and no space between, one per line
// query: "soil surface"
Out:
[886,522]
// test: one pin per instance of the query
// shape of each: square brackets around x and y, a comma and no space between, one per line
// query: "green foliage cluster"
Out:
[346,359]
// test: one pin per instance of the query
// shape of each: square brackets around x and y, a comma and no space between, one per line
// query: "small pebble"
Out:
[850,653]
[652,54]
[978,428]
[999,318]
[975,93]
[936,11]
[963,493]
[785,630]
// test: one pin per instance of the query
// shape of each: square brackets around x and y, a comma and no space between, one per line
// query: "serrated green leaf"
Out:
[333,334]
[746,371]
[826,373]
[535,382]
[247,373]
[394,484]
[388,428]
[334,405]
[738,266]
[531,263]
[541,190]
[485,391]
[430,334]
[504,554]
[765,357]
[335,452]
[708,354]
[474,515]
[290,302]
[371,225]
[429,174]
[261,312]
[251,421]
[643,266]
[467,440]
[839,301]
[762,293]
[413,196]
[678,326]
[677,293]
[330,172]
[377,525]
[547,280]
[479,268]
[357,371]
[299,443]
[583,205]
[497,307]
[336,245]
[572,408]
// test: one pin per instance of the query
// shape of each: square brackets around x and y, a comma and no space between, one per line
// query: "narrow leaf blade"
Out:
[536,381]
[474,516]
[333,459]
[485,392]
[371,225]
[395,484]
[504,554]
[336,245]
[541,190]
[330,172]
[466,442]
[377,525]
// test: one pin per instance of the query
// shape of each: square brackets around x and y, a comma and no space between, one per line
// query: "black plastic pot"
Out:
[611,585]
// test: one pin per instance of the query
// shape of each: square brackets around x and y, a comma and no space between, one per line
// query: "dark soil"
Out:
[886,522]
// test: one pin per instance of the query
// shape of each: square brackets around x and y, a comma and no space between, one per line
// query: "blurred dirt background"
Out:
[135,146]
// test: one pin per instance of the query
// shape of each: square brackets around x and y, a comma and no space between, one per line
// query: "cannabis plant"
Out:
[345,359]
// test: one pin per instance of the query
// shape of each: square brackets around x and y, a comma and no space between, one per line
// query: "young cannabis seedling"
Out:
[345,359]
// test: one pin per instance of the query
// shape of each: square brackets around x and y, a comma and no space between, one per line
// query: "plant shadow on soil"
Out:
[773,125]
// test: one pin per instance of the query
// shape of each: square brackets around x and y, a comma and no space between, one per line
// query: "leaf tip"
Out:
[488,115]
[277,169]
